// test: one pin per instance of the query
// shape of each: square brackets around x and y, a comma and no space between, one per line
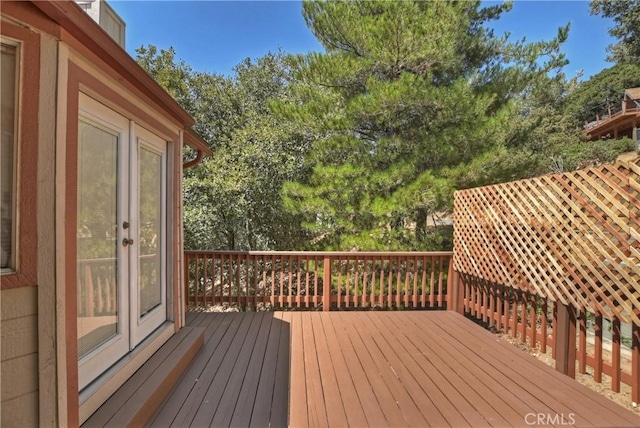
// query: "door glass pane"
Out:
[150,164]
[97,237]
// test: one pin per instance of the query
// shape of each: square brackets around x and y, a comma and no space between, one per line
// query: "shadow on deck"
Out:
[372,369]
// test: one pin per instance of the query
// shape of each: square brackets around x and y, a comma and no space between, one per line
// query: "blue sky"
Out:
[214,36]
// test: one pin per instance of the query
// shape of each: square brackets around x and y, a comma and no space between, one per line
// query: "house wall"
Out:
[19,356]
[19,322]
[37,320]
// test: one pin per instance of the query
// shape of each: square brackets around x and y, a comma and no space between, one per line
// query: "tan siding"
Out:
[19,356]
[46,233]
[19,337]
[19,376]
[19,302]
[15,412]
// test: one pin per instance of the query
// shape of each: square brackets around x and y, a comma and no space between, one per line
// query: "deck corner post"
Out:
[454,292]
[635,364]
[326,282]
[185,280]
[565,343]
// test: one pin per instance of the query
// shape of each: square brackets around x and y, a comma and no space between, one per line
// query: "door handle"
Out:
[126,242]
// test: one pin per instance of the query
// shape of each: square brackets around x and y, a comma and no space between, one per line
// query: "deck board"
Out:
[403,368]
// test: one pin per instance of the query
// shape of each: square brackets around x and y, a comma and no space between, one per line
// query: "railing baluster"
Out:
[406,283]
[432,283]
[308,263]
[354,295]
[523,317]
[398,281]
[543,326]
[281,296]
[347,285]
[414,270]
[316,273]
[440,282]
[582,343]
[615,356]
[597,354]
[273,281]
[197,284]
[221,279]
[534,327]
[290,299]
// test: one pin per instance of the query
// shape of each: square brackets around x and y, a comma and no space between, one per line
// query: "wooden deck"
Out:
[372,369]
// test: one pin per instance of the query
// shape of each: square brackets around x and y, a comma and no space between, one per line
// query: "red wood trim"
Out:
[92,86]
[194,140]
[25,274]
[94,42]
[28,14]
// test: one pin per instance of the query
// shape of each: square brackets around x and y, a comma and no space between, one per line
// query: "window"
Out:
[8,152]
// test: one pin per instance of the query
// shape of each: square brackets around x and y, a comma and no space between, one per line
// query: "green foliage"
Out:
[626,15]
[602,92]
[406,98]
[361,147]
[232,200]
[584,155]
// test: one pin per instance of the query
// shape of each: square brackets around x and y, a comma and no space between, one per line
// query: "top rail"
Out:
[326,253]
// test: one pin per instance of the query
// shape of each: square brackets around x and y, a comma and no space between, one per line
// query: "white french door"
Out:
[121,238]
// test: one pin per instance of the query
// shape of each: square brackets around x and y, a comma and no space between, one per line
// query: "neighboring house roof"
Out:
[633,93]
[79,25]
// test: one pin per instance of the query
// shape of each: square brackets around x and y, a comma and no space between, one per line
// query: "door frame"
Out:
[140,328]
[132,331]
[109,352]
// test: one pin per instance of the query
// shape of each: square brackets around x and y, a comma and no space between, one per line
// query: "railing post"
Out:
[565,335]
[326,287]
[635,364]
[186,282]
[454,291]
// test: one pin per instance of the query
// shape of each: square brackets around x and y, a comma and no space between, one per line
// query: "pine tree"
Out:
[405,92]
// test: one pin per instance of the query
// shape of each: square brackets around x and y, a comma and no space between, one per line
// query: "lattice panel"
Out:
[572,237]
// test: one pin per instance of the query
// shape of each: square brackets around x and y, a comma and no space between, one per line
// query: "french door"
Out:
[121,237]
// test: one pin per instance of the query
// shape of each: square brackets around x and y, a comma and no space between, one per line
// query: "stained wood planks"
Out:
[374,368]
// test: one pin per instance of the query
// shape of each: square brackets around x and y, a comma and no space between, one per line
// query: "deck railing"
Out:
[557,254]
[599,342]
[317,280]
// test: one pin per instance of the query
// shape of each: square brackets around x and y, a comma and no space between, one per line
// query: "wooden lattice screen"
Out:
[572,237]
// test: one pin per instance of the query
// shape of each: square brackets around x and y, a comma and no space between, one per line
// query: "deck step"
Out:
[136,401]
